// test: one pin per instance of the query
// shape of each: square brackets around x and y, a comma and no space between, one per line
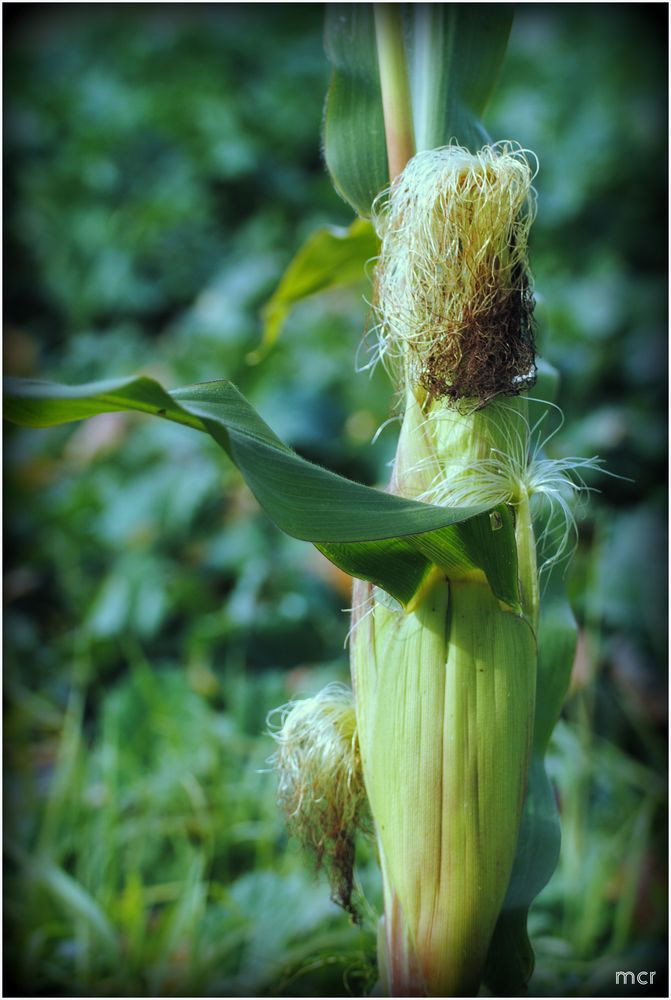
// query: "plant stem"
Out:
[395,86]
[526,556]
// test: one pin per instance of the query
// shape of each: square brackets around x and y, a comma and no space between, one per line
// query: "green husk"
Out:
[444,701]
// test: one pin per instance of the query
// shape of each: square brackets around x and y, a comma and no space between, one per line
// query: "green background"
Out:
[162,167]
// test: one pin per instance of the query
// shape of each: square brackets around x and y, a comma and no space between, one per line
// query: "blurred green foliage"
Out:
[163,167]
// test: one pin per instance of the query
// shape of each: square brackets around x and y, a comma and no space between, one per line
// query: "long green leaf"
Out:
[540,837]
[557,641]
[375,535]
[540,833]
[354,139]
[454,54]
[510,957]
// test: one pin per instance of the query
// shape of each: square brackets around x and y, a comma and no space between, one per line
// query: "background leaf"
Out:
[330,258]
[454,54]
[354,138]
[557,640]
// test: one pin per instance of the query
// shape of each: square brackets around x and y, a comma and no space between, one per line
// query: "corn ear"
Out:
[444,709]
[320,786]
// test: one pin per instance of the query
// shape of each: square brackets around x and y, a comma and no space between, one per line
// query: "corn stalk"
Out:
[445,688]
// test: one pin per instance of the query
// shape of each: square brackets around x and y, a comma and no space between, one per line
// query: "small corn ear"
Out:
[320,784]
[444,712]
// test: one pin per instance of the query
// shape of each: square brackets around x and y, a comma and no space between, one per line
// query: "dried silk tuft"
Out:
[320,783]
[454,300]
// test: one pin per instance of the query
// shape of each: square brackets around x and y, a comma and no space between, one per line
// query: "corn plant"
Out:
[462,637]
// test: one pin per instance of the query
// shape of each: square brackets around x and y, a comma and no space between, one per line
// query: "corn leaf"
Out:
[354,139]
[454,55]
[558,630]
[557,640]
[375,535]
[330,258]
[541,836]
[510,958]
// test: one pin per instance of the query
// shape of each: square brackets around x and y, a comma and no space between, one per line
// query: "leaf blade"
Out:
[454,52]
[354,138]
[303,499]
[330,258]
